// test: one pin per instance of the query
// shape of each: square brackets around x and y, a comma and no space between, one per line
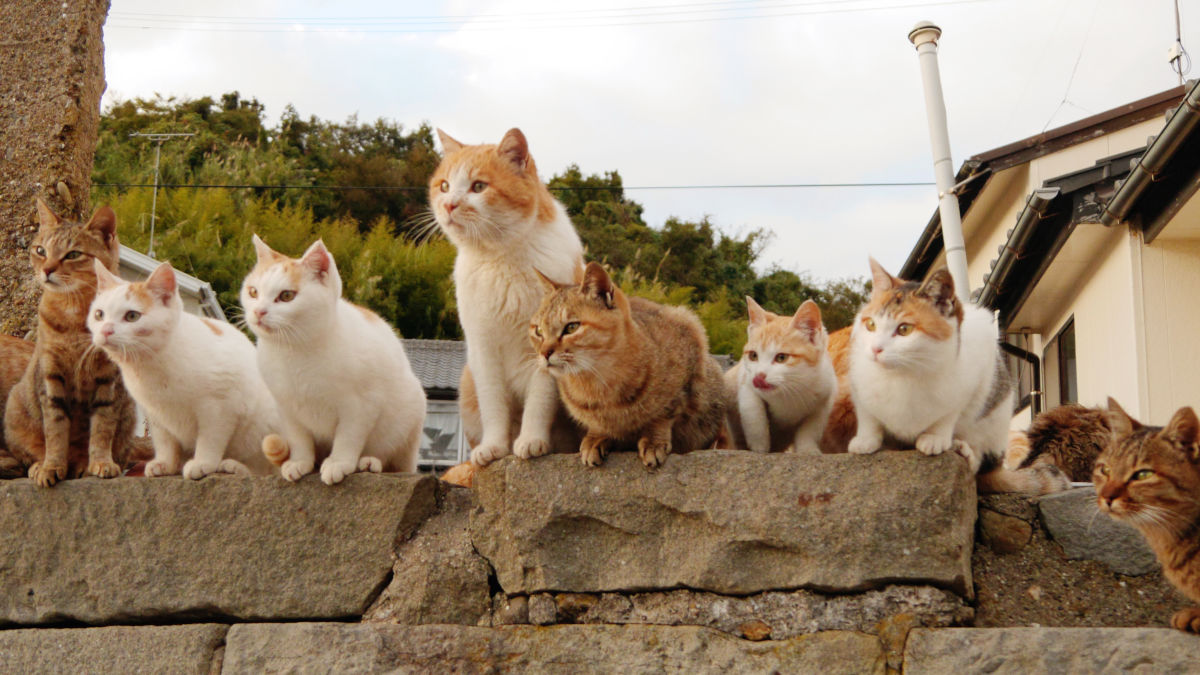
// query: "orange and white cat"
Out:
[927,370]
[782,389]
[489,202]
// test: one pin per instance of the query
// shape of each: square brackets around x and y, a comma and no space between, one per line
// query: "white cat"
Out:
[784,385]
[489,202]
[195,379]
[926,369]
[345,389]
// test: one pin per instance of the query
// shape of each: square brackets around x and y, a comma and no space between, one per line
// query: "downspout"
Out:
[1035,209]
[1185,117]
[924,37]
[1035,396]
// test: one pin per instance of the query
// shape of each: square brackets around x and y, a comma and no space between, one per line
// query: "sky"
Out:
[672,93]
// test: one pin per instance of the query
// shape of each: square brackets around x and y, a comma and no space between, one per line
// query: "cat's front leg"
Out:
[167,450]
[594,448]
[1187,620]
[807,440]
[869,436]
[655,443]
[104,421]
[56,428]
[353,428]
[301,451]
[939,437]
[211,440]
[494,410]
[541,404]
[756,423]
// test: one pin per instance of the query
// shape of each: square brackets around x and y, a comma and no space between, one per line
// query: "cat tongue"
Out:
[760,381]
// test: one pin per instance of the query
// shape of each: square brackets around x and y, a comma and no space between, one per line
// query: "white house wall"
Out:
[1170,286]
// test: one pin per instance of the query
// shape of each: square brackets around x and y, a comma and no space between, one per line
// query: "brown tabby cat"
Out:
[629,370]
[1149,477]
[1070,437]
[14,359]
[70,412]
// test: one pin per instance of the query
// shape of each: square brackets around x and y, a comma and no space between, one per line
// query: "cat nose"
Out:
[260,313]
[108,330]
[1109,493]
[450,206]
[547,353]
[876,350]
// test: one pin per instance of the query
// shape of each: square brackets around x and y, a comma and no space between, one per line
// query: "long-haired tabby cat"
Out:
[781,391]
[338,372]
[1149,477]
[196,379]
[489,202]
[1069,436]
[70,413]
[629,370]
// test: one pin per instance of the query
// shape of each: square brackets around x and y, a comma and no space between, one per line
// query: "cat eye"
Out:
[72,255]
[252,291]
[781,358]
[132,316]
[1142,474]
[99,315]
[537,331]
[40,251]
[478,186]
[286,296]
[752,355]
[869,323]
[570,328]
[1102,469]
[904,329]
[444,186]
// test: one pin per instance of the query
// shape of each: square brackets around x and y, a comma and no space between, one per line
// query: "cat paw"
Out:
[334,472]
[195,469]
[653,453]
[370,464]
[234,467]
[276,449]
[592,451]
[103,468]
[968,453]
[486,453]
[806,447]
[934,444]
[1187,619]
[157,467]
[293,470]
[46,474]
[861,445]
[528,448]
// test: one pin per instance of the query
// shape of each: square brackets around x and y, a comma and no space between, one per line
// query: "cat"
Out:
[196,379]
[628,370]
[15,354]
[1069,436]
[70,414]
[781,392]
[490,204]
[344,388]
[1149,477]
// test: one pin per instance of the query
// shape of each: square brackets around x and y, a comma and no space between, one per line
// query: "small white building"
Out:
[1086,240]
[198,297]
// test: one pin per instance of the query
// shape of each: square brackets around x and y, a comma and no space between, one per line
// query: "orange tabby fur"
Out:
[1150,477]
[842,423]
[15,354]
[70,413]
[629,370]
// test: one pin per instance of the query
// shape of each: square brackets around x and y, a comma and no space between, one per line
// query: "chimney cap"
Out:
[925,31]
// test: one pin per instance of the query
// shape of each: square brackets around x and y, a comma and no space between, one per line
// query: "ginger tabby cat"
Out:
[69,414]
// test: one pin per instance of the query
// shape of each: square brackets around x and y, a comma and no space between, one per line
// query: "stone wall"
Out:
[51,79]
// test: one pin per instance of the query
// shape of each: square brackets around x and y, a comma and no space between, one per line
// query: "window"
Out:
[1024,373]
[1061,367]
[442,443]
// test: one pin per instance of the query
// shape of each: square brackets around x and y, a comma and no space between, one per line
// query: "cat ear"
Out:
[449,145]
[881,281]
[1120,421]
[597,284]
[162,282]
[104,221]
[807,320]
[515,150]
[1184,431]
[104,279]
[939,289]
[578,277]
[261,249]
[757,314]
[317,259]
[46,217]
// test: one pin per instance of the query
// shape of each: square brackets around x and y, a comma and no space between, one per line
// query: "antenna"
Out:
[1177,56]
[158,140]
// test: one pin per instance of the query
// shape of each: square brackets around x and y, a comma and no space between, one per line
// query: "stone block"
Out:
[194,648]
[728,522]
[1030,651]
[226,547]
[574,650]
[1074,521]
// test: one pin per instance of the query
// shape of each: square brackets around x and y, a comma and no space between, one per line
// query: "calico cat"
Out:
[1149,477]
[69,414]
[629,370]
[196,379]
[1070,437]
[344,388]
[926,369]
[489,202]
[781,391]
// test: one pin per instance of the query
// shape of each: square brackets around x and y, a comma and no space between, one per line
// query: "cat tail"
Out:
[842,424]
[461,474]
[1037,479]
[1018,449]
[276,449]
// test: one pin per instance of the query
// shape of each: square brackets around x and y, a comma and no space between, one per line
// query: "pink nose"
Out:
[450,206]
[760,381]
[260,313]
[108,330]
[876,350]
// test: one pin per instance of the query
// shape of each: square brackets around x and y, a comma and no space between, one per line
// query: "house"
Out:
[438,364]
[198,297]
[1086,241]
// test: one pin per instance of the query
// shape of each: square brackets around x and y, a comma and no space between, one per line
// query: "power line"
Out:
[576,188]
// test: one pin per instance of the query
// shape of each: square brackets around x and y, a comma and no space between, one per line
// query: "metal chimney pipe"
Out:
[924,37]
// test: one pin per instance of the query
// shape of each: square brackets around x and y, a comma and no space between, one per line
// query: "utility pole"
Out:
[158,139]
